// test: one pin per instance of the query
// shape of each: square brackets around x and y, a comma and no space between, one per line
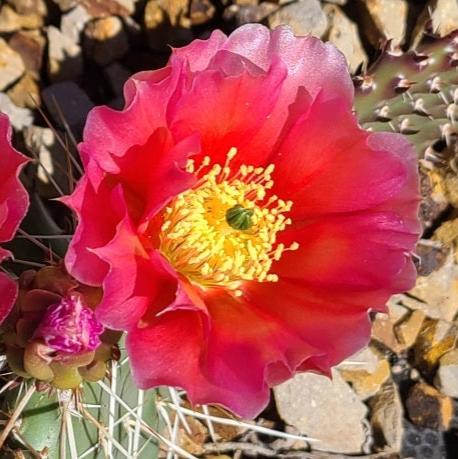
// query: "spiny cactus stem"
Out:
[172,445]
[103,431]
[67,432]
[16,413]
[136,442]
[112,407]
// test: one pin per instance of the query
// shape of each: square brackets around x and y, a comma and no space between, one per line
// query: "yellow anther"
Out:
[202,245]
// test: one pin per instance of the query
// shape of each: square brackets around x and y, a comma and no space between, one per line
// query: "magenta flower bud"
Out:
[70,327]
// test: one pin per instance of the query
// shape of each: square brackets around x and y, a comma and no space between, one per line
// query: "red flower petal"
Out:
[347,170]
[278,99]
[311,63]
[351,251]
[238,105]
[14,202]
[12,193]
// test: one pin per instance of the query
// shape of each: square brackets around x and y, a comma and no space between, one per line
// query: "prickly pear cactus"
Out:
[416,94]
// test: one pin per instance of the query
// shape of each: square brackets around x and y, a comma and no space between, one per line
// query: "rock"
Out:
[434,199]
[19,117]
[105,40]
[11,65]
[249,13]
[10,21]
[427,407]
[117,75]
[65,5]
[167,23]
[447,374]
[30,46]
[344,34]
[383,333]
[422,443]
[43,143]
[73,23]
[384,20]
[105,8]
[387,417]
[73,102]
[65,60]
[439,291]
[26,7]
[323,409]
[408,330]
[435,339]
[366,372]
[304,17]
[432,254]
[26,92]
[444,16]
[397,311]
[447,236]
[201,11]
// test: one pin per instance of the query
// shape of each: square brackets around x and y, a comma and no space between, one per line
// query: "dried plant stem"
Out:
[17,412]
[237,423]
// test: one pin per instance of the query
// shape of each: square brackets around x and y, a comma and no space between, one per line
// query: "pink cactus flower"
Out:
[241,222]
[70,327]
[14,202]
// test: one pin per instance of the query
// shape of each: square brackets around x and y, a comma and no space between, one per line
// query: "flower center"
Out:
[224,230]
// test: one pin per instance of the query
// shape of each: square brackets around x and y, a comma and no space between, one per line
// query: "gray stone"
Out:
[437,292]
[244,14]
[387,417]
[389,18]
[66,5]
[29,7]
[19,117]
[26,92]
[304,17]
[10,21]
[422,443]
[73,23]
[326,410]
[65,58]
[344,34]
[11,65]
[73,102]
[447,374]
[445,17]
[30,45]
[366,371]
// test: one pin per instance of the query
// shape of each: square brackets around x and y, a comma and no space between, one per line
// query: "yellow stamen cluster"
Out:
[198,240]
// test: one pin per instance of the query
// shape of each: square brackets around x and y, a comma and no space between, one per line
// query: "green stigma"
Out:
[239,218]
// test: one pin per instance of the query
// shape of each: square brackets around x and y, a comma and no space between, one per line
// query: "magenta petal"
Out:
[136,281]
[12,193]
[168,353]
[8,294]
[102,212]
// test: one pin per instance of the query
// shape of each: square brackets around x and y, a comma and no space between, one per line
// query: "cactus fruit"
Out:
[415,93]
[52,335]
